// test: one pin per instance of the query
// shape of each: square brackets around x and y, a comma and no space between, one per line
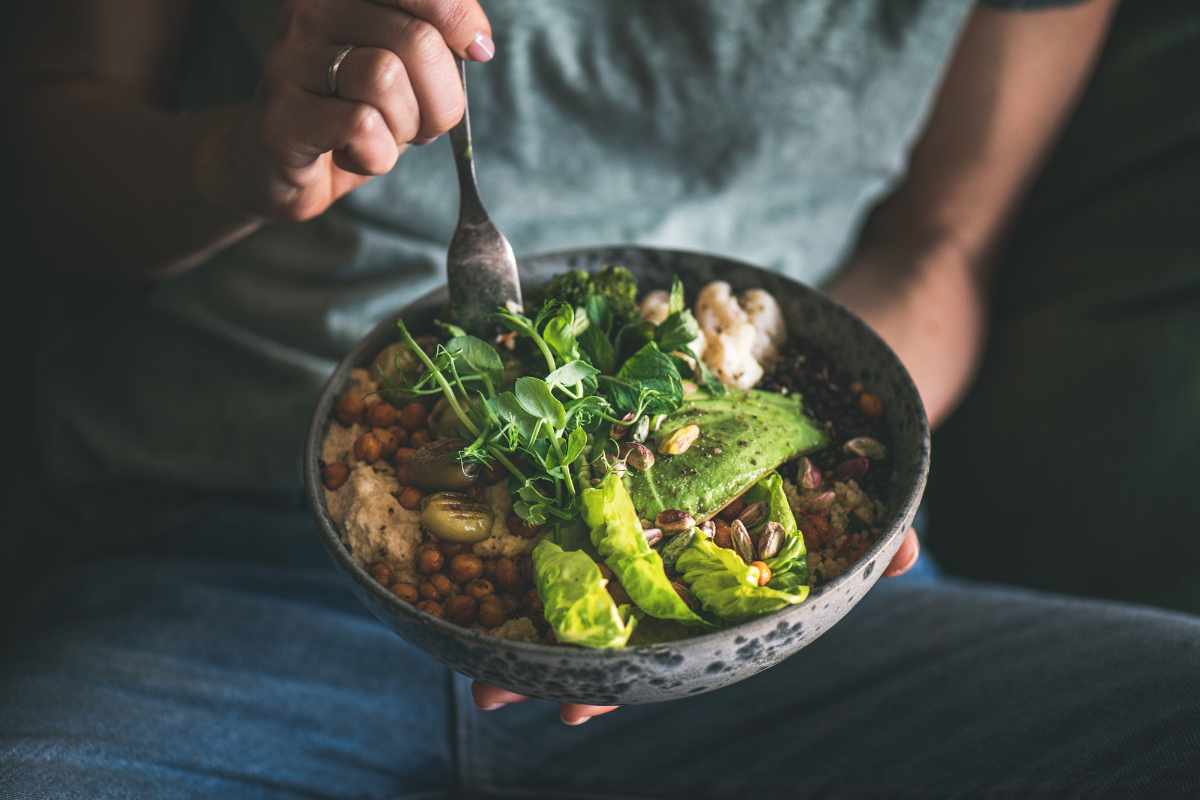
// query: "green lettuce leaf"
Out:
[577,606]
[727,586]
[789,567]
[616,534]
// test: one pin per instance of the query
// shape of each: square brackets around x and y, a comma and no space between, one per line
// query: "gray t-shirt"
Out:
[761,129]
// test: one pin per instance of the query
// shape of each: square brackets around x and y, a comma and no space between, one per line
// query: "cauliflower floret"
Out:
[742,333]
[767,318]
[501,542]
[518,630]
[728,356]
[374,524]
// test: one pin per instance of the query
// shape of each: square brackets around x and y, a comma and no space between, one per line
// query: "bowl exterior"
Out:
[703,663]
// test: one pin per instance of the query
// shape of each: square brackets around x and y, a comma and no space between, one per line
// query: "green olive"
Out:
[454,517]
[395,364]
[436,466]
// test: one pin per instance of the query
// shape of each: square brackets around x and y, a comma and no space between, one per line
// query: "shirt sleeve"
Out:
[1028,5]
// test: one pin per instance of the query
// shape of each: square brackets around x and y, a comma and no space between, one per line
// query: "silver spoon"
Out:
[481,269]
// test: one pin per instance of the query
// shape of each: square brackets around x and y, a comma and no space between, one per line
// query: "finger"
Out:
[371,75]
[490,698]
[298,128]
[428,60]
[462,24]
[906,556]
[574,714]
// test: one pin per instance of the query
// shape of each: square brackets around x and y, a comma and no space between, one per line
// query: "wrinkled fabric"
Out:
[207,670]
[762,130]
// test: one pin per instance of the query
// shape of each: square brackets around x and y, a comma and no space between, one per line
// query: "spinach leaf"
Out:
[576,604]
[599,349]
[651,378]
[677,332]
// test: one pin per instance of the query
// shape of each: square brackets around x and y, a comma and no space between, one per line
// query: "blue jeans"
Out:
[227,670]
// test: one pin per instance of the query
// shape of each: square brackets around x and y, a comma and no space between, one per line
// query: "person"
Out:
[247,189]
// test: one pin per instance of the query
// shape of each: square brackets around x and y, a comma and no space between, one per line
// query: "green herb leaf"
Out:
[561,332]
[676,303]
[575,444]
[598,348]
[478,355]
[677,331]
[510,410]
[649,379]
[571,373]
[535,397]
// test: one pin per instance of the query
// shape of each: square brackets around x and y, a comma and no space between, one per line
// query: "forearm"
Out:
[115,188]
[920,272]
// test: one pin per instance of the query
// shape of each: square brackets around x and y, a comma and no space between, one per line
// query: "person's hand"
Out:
[300,146]
[491,698]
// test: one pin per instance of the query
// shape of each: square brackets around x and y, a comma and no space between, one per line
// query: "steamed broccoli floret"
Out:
[570,287]
[615,284]
[618,285]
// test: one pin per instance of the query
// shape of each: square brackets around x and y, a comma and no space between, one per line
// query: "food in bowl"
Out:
[611,470]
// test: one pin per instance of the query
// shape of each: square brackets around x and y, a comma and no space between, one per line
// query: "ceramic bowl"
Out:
[658,672]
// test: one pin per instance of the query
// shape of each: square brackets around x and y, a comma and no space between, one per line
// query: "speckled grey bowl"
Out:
[679,669]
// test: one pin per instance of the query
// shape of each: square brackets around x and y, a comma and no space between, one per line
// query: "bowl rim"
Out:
[904,508]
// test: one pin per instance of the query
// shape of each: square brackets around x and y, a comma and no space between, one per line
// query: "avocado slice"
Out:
[743,436]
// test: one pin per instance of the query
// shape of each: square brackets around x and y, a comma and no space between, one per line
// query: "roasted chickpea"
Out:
[410,498]
[420,438]
[413,417]
[533,602]
[442,583]
[367,448]
[451,549]
[428,591]
[431,607]
[349,409]
[429,559]
[491,612]
[403,454]
[387,442]
[480,588]
[870,405]
[507,576]
[461,609]
[400,434]
[406,591]
[466,567]
[334,475]
[381,571]
[382,415]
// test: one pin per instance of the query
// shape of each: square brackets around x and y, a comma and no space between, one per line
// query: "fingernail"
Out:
[491,706]
[482,49]
[426,140]
[575,722]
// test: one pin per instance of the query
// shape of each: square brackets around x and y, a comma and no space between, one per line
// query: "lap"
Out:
[182,678]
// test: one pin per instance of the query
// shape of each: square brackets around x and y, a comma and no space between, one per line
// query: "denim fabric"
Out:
[215,674]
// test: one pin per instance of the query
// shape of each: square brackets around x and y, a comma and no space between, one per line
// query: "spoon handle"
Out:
[470,208]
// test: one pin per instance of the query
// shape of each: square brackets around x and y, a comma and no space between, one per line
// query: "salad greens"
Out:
[789,567]
[618,538]
[728,587]
[577,605]
[554,409]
